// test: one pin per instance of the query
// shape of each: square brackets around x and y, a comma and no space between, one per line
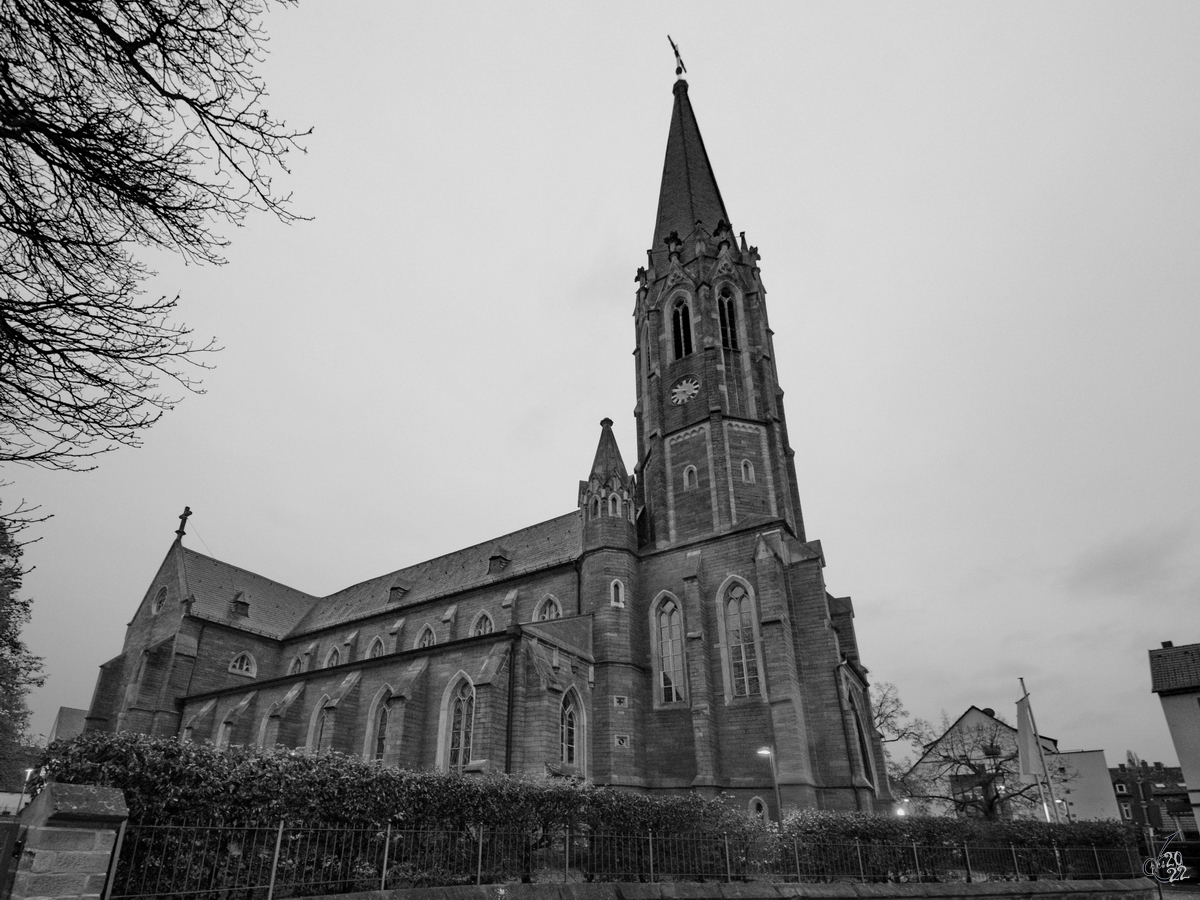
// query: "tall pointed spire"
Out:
[608,460]
[689,192]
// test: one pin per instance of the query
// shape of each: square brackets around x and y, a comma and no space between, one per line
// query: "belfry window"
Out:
[668,627]
[728,314]
[462,722]
[682,329]
[743,649]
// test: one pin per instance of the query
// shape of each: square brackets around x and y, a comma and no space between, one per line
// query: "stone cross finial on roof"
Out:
[182,529]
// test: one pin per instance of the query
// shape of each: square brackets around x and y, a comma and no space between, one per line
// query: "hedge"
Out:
[171,780]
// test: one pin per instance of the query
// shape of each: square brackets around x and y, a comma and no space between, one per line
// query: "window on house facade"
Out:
[426,638]
[1121,789]
[758,808]
[483,624]
[668,631]
[682,329]
[690,478]
[333,658]
[381,727]
[244,664]
[728,315]
[547,609]
[462,722]
[739,633]
[376,650]
[568,730]
[1126,810]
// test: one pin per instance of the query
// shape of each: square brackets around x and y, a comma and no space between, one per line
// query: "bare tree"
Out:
[128,124]
[972,769]
[895,727]
[20,670]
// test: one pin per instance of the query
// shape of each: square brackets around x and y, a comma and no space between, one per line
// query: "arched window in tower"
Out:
[376,650]
[483,625]
[668,630]
[617,593]
[743,648]
[381,727]
[426,638]
[727,310]
[462,722]
[595,507]
[690,478]
[681,323]
[568,730]
[547,609]
[614,505]
[747,471]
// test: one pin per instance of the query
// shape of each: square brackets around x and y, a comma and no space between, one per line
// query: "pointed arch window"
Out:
[741,641]
[381,729]
[617,593]
[296,666]
[548,609]
[483,625]
[727,310]
[376,650]
[747,471]
[244,664]
[426,638]
[462,723]
[595,507]
[864,747]
[322,727]
[568,730]
[333,658]
[614,505]
[668,636]
[681,323]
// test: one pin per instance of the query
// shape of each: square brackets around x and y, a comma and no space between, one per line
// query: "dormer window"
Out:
[498,560]
[396,592]
[681,321]
[239,605]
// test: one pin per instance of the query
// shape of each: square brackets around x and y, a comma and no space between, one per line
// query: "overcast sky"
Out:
[978,225]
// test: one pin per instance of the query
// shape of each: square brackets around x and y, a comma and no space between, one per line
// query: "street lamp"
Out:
[24,784]
[769,752]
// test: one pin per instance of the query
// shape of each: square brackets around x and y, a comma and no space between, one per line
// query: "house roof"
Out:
[1175,669]
[548,543]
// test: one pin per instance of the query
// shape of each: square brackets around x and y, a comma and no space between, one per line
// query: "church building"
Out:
[656,637]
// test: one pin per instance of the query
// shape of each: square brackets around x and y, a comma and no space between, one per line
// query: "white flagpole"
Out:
[1041,756]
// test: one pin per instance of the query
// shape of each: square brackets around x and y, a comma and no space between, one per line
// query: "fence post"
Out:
[728,870]
[479,858]
[916,861]
[1058,863]
[967,857]
[1096,856]
[567,856]
[1016,864]
[650,836]
[862,873]
[796,855]
[387,843]
[275,860]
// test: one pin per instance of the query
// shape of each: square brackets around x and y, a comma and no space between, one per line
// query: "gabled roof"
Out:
[274,608]
[1175,669]
[689,192]
[1049,744]
[536,547]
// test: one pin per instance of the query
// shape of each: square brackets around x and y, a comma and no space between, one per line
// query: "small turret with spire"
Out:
[606,497]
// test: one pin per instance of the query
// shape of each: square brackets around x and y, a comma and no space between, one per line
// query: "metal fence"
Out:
[266,862]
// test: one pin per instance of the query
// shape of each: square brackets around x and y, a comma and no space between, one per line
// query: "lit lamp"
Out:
[769,752]
[24,784]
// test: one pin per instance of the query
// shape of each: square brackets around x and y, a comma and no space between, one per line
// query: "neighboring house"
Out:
[1156,796]
[1175,677]
[972,770]
[68,723]
[654,637]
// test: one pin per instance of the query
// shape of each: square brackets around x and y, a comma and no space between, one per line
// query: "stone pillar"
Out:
[68,833]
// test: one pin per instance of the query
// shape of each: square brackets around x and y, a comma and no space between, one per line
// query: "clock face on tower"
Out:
[685,389]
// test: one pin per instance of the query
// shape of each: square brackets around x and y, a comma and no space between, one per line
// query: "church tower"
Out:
[713,450]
